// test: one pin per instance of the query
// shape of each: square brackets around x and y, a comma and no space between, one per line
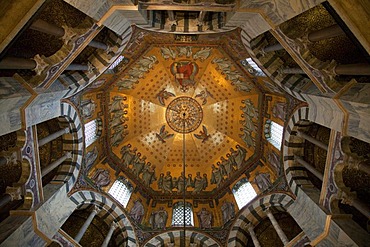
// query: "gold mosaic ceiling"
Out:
[196,84]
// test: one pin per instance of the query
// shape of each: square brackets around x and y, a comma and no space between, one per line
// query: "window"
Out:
[243,192]
[121,191]
[252,67]
[178,215]
[91,132]
[113,66]
[274,133]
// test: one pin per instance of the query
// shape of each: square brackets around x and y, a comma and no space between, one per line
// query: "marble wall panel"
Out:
[356,101]
[117,23]
[89,7]
[345,232]
[325,111]
[50,189]
[252,23]
[134,16]
[358,120]
[12,97]
[23,236]
[10,120]
[359,92]
[309,216]
[10,225]
[279,11]
[46,106]
[51,216]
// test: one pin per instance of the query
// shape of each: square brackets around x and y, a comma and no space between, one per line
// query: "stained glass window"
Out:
[243,192]
[121,190]
[178,215]
[90,132]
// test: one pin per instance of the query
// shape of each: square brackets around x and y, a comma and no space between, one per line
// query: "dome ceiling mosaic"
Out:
[190,90]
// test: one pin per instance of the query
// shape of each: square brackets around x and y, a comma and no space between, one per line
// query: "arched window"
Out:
[252,67]
[243,192]
[274,133]
[116,64]
[178,214]
[121,190]
[93,130]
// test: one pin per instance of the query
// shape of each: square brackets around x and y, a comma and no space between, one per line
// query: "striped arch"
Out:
[253,213]
[200,239]
[125,236]
[74,142]
[100,60]
[294,145]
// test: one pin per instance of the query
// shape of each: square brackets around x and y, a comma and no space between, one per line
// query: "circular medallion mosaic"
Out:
[184,114]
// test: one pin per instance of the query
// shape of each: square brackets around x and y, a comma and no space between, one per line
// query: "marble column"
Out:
[312,140]
[3,161]
[270,48]
[11,194]
[113,226]
[5,199]
[295,70]
[308,166]
[53,136]
[325,33]
[45,27]
[75,66]
[17,63]
[359,164]
[353,69]
[343,69]
[277,227]
[250,228]
[86,224]
[98,45]
[56,163]
[353,201]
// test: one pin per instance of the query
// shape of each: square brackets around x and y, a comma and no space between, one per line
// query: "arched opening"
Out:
[353,180]
[266,233]
[14,173]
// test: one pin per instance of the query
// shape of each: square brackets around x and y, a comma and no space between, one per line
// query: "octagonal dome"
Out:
[197,91]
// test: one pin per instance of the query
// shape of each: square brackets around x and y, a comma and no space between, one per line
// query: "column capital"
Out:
[67,130]
[96,209]
[250,226]
[267,211]
[14,192]
[12,158]
[69,34]
[68,154]
[347,197]
[91,67]
[114,225]
[41,64]
[329,69]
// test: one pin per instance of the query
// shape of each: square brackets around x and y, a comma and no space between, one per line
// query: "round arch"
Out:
[111,212]
[192,236]
[253,213]
[294,145]
[72,142]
